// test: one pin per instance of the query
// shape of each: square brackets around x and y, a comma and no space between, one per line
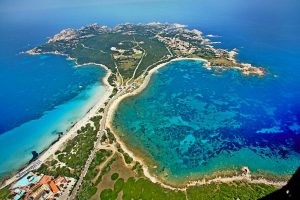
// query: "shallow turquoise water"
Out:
[192,120]
[41,97]
[36,135]
[265,32]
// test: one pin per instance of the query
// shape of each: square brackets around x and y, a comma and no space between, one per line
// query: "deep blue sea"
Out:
[43,95]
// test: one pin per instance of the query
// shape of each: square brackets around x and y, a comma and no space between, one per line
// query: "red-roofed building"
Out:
[53,187]
[45,179]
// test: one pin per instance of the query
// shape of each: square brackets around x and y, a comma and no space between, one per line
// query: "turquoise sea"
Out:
[58,95]
[190,120]
[41,96]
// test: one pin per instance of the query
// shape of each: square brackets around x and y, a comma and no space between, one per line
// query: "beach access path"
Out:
[96,144]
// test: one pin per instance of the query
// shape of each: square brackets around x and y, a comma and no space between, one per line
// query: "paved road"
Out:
[96,144]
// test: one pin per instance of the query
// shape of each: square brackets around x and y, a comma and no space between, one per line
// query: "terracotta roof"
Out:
[45,179]
[53,187]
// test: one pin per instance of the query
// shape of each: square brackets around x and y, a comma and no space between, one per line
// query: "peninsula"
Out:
[132,50]
[91,154]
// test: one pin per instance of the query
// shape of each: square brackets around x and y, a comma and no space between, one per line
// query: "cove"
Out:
[194,121]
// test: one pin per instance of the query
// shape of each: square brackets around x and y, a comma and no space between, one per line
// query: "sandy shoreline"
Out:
[153,177]
[71,133]
[108,89]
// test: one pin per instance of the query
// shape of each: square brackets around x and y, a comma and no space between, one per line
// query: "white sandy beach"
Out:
[146,170]
[67,136]
[73,131]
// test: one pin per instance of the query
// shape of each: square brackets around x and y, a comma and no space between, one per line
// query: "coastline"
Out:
[246,69]
[31,52]
[69,134]
[147,172]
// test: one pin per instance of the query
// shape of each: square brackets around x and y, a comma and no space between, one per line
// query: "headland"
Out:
[131,53]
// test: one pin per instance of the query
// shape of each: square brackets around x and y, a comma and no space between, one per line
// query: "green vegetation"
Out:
[100,157]
[103,138]
[108,194]
[138,168]
[110,136]
[5,193]
[145,189]
[78,149]
[237,190]
[155,49]
[115,90]
[139,189]
[127,46]
[121,49]
[119,148]
[88,188]
[96,120]
[127,158]
[48,169]
[101,110]
[106,169]
[75,153]
[114,176]
[111,80]
[221,62]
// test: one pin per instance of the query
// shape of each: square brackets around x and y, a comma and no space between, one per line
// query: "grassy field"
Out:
[237,190]
[127,181]
[139,189]
[144,189]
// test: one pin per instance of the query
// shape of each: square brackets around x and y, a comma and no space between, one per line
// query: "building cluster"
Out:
[41,187]
[181,40]
[187,42]
[177,44]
